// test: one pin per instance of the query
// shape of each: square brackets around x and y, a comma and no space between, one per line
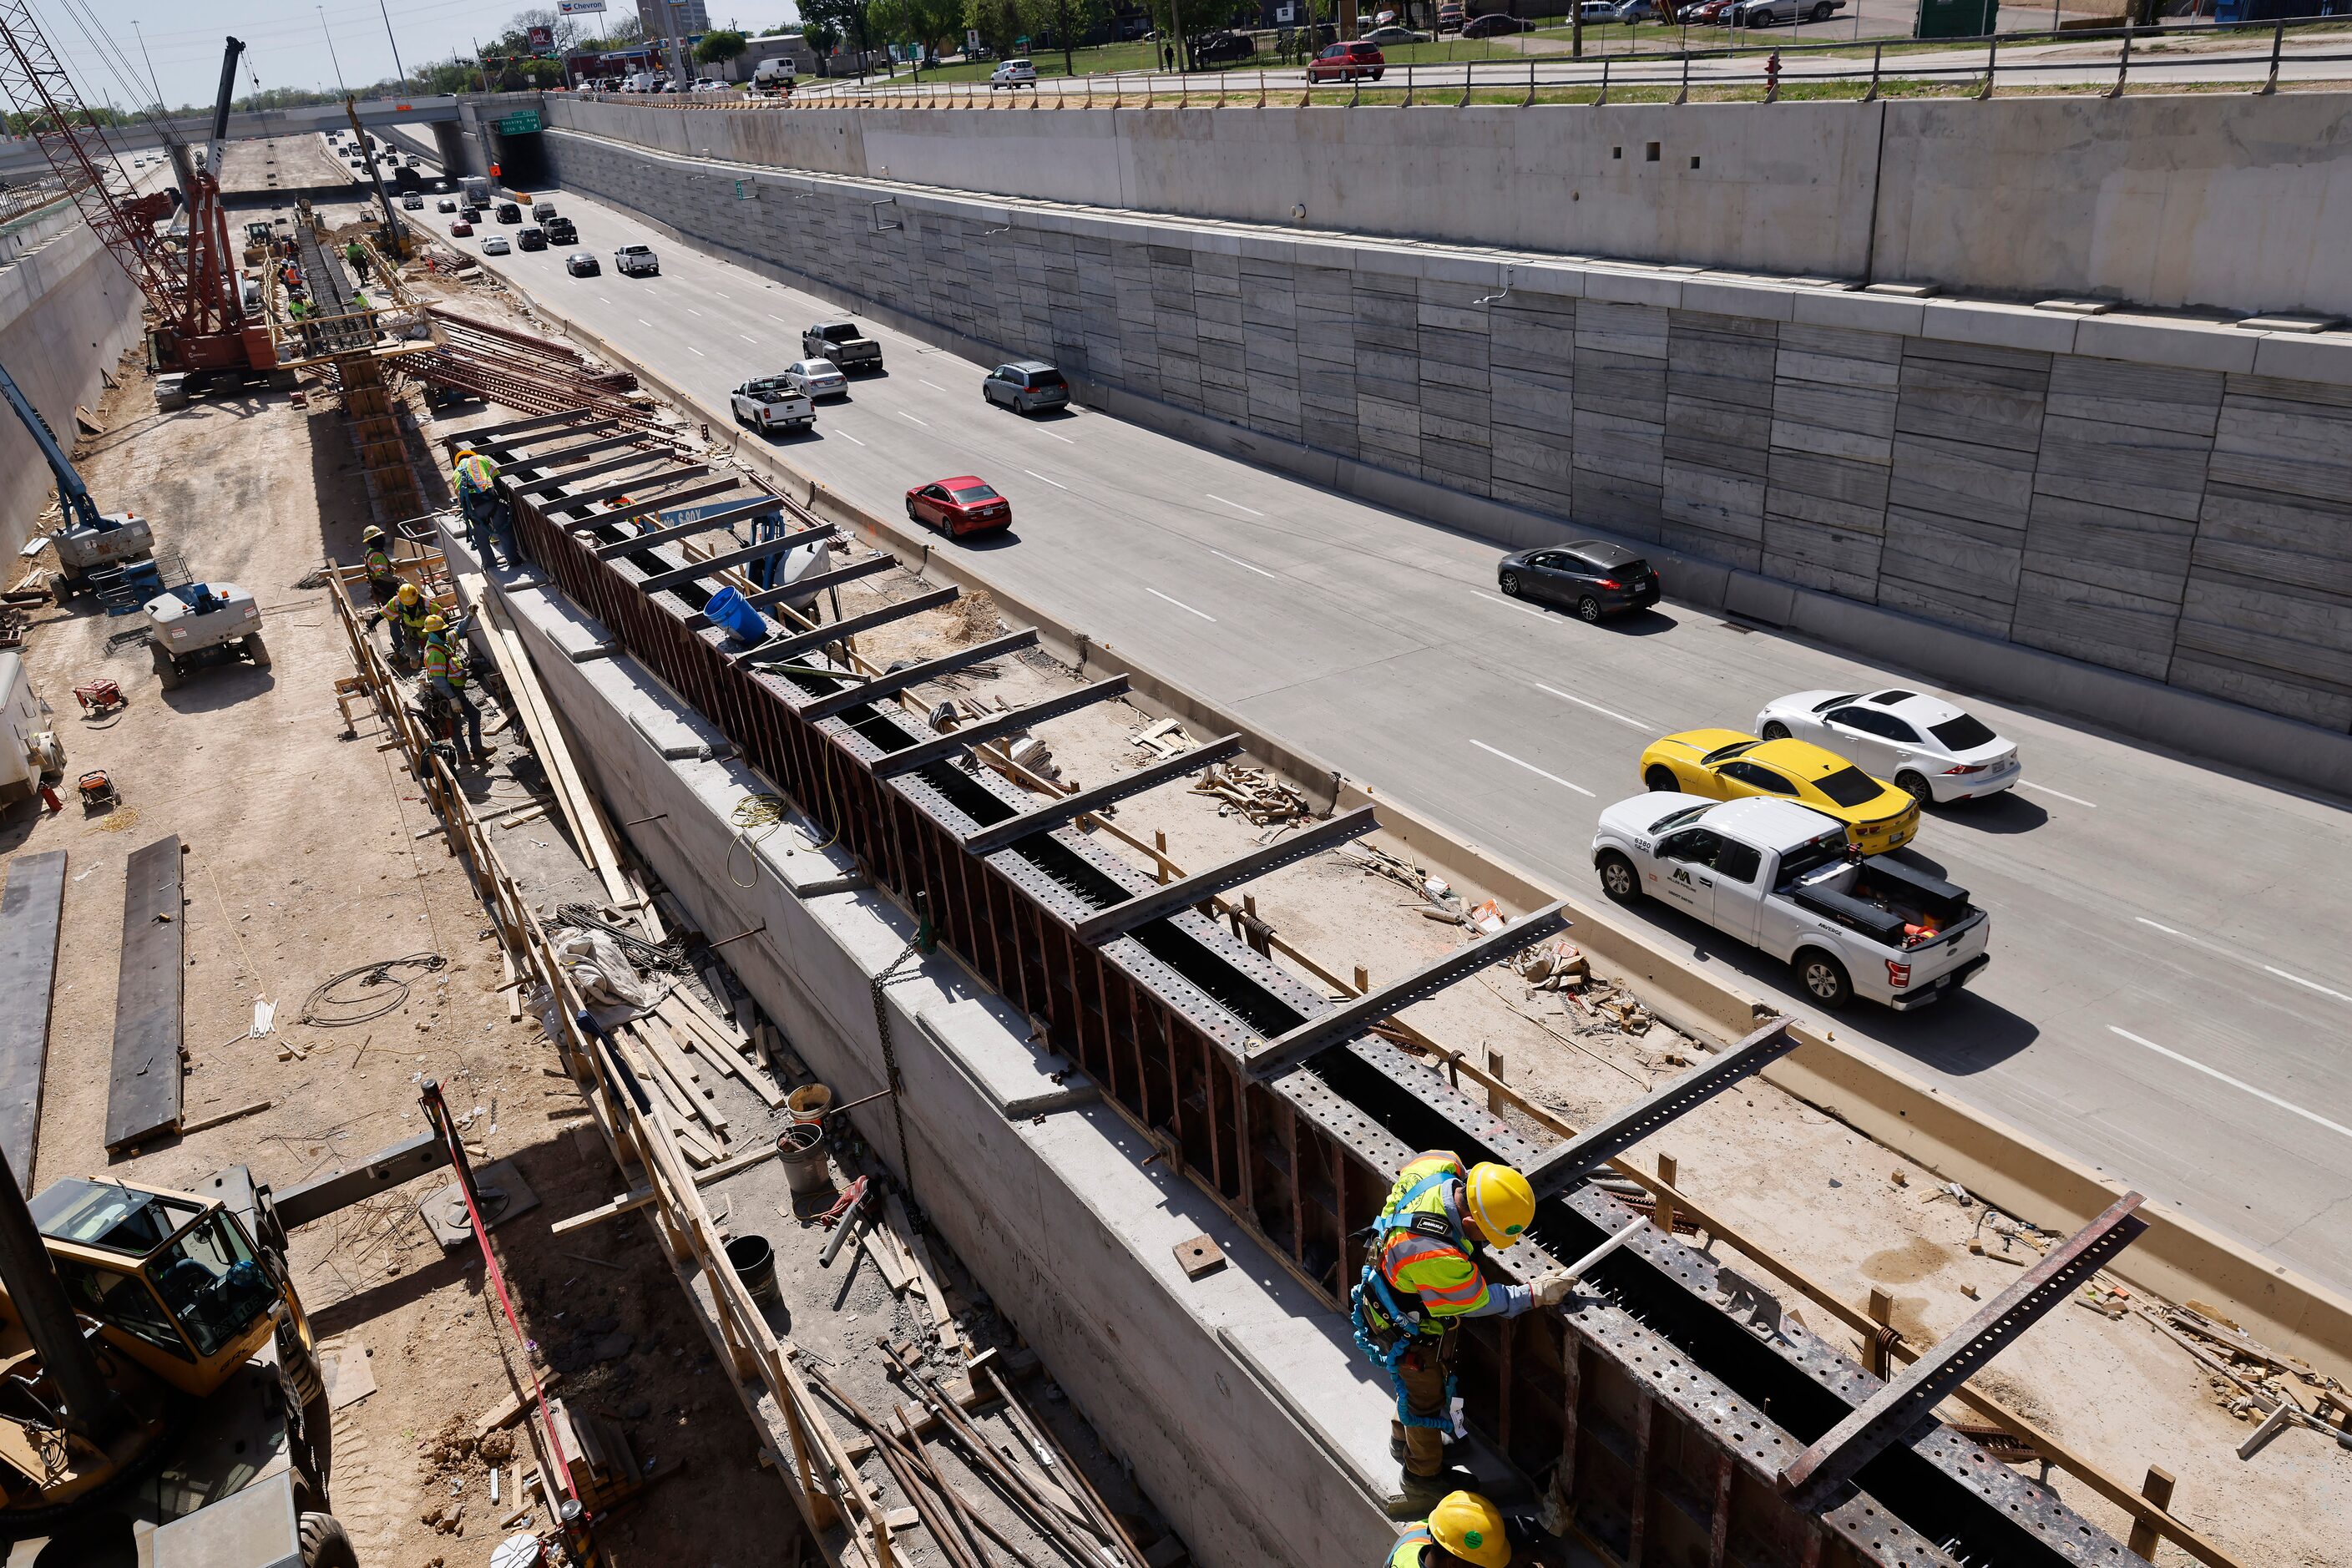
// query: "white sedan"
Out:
[1931,749]
[496,246]
[817,378]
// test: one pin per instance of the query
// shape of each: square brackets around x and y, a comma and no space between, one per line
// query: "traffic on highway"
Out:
[2108,933]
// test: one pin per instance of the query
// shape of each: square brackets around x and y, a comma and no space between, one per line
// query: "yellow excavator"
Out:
[161,1397]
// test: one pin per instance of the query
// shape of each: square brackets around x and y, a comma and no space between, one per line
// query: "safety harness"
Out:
[1404,1324]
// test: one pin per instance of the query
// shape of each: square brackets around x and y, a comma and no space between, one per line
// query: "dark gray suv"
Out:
[1592,578]
[1027,385]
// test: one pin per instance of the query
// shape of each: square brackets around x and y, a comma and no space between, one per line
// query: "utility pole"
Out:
[330,49]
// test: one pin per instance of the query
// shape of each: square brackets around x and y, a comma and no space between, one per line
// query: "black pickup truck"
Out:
[845,344]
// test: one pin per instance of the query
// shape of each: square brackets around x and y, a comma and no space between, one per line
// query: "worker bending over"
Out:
[476,479]
[408,613]
[1464,1530]
[356,253]
[445,671]
[382,577]
[1422,1278]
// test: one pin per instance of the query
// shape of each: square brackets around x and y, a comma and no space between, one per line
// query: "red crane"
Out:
[200,321]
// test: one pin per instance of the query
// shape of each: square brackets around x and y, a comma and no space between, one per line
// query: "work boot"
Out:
[1417,1495]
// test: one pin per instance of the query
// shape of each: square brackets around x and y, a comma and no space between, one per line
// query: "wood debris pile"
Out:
[1255,794]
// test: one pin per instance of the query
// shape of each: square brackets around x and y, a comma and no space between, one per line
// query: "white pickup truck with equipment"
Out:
[771,403]
[1782,877]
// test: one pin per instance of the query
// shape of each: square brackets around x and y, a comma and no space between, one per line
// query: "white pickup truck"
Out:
[773,402]
[1780,876]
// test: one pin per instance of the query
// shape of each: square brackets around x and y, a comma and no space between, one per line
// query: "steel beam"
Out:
[786,647]
[896,681]
[817,582]
[504,436]
[380,1172]
[1349,1019]
[742,557]
[1570,1163]
[1055,813]
[638,508]
[647,541]
[923,754]
[580,449]
[1167,898]
[1902,1405]
[547,485]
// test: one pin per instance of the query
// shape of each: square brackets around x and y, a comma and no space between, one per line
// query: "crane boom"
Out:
[219,147]
[72,494]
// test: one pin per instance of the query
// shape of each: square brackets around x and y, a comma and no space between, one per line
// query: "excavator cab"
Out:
[173,1279]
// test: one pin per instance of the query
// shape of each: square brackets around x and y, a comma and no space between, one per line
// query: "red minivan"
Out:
[1347,62]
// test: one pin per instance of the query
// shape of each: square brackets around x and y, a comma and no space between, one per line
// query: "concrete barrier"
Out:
[2177,1258]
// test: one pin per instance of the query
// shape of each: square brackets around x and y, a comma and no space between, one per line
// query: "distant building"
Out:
[660,18]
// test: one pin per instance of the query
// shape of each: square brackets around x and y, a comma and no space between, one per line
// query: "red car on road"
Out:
[1347,62]
[460,230]
[962,505]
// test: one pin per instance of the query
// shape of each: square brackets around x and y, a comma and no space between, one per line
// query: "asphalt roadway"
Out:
[2170,996]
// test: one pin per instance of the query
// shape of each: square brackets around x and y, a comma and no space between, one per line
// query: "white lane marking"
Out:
[692,311]
[714,294]
[1178,603]
[1508,605]
[2061,794]
[1064,441]
[749,339]
[601,301]
[2165,928]
[904,415]
[848,437]
[2233,1083]
[1243,565]
[1605,712]
[934,385]
[696,352]
[778,320]
[2310,984]
[1234,504]
[1534,770]
[643,322]
[1060,485]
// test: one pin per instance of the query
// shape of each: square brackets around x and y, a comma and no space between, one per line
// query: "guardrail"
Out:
[1779,67]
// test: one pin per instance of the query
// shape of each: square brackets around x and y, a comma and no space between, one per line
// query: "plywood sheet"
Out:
[29,912]
[142,1096]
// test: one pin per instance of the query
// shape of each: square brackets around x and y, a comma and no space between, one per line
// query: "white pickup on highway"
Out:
[1780,876]
[773,402]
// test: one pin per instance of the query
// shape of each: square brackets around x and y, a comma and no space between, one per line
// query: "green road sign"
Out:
[516,124]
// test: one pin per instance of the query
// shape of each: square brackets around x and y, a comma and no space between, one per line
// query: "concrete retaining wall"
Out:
[1240,1401]
[66,312]
[1964,490]
[2221,200]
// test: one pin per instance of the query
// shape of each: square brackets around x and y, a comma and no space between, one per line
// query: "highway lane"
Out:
[2170,994]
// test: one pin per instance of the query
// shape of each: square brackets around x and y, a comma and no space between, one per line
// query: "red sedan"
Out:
[460,230]
[959,506]
[1347,62]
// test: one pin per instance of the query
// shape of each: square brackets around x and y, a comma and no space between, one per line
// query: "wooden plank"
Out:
[507,1409]
[29,914]
[143,1094]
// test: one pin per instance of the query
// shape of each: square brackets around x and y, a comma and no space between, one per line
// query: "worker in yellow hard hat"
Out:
[1464,1529]
[445,671]
[382,577]
[475,480]
[410,610]
[1422,1278]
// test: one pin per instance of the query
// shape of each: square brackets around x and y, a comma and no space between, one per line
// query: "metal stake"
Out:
[2123,66]
[2278,42]
[1992,48]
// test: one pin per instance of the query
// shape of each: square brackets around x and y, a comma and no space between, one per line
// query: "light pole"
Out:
[393,42]
[330,49]
[151,65]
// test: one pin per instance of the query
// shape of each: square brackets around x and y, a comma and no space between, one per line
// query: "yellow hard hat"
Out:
[1502,1204]
[408,594]
[436,623]
[465,449]
[369,532]
[1470,1528]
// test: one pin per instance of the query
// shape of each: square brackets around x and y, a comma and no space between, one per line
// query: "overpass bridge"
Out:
[20,159]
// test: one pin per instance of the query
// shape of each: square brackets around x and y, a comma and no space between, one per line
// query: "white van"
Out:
[781,71]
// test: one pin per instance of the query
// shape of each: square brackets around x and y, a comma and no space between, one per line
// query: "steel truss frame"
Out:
[1655,1422]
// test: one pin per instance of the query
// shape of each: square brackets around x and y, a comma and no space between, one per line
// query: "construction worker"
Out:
[1464,1530]
[356,253]
[445,671]
[476,479]
[1422,1276]
[382,578]
[410,610]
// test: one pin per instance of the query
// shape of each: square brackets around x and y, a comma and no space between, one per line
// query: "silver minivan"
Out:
[1027,385]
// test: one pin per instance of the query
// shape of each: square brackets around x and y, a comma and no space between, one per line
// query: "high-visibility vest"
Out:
[437,660]
[1406,1554]
[379,568]
[1419,1249]
[413,615]
[477,473]
[454,653]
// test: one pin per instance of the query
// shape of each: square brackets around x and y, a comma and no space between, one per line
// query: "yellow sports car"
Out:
[1726,764]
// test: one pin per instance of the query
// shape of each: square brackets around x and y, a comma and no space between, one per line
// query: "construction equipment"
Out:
[86,540]
[96,787]
[191,280]
[165,1401]
[201,624]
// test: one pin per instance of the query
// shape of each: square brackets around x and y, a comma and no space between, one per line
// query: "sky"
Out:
[287,41]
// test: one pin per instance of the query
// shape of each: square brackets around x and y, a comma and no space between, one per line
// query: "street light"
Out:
[331,48]
[395,43]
